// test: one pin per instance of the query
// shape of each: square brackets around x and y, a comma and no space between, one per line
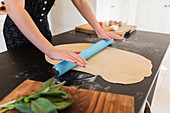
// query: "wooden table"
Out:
[87,101]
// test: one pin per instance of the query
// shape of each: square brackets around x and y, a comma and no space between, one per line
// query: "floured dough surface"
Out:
[114,65]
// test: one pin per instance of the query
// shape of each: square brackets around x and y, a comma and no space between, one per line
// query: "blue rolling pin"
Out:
[65,66]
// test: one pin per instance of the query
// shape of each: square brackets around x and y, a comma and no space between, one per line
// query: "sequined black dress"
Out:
[38,10]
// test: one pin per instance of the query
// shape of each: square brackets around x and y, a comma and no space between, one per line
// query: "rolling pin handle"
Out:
[127,34]
[55,71]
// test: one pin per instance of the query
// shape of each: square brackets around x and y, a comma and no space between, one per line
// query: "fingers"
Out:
[118,37]
[70,60]
[109,35]
[70,56]
[73,57]
[73,60]
[84,61]
[115,36]
[106,37]
[77,52]
[79,60]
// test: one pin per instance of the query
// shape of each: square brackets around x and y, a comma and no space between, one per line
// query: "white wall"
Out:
[64,16]
[108,10]
[129,11]
[120,10]
[2,40]
[154,16]
[148,15]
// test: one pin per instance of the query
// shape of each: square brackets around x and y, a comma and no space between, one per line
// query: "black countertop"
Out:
[29,63]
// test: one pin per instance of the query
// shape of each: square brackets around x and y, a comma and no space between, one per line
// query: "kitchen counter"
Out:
[29,63]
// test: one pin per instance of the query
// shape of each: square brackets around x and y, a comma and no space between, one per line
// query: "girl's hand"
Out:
[109,35]
[70,56]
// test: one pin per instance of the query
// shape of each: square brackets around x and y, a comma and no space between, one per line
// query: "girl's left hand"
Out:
[109,35]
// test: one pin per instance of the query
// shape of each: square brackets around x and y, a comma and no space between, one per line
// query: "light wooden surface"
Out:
[87,101]
[86,28]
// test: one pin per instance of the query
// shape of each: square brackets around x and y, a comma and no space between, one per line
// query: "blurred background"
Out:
[148,15]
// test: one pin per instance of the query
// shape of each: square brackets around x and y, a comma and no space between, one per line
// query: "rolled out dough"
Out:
[113,65]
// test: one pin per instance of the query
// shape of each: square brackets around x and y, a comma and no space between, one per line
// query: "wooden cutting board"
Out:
[87,101]
[86,28]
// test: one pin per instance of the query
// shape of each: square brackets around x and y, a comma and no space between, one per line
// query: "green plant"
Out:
[48,99]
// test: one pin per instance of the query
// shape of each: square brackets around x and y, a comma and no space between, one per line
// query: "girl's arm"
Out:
[85,10]
[24,22]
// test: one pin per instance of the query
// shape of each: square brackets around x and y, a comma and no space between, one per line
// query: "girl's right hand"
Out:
[70,56]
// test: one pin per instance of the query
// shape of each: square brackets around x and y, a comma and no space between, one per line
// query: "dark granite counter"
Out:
[29,63]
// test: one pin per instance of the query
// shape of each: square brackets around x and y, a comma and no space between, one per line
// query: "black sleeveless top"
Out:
[38,10]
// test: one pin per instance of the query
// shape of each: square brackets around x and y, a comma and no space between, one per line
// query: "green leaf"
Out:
[21,98]
[57,87]
[34,96]
[64,104]
[39,104]
[9,106]
[42,105]
[24,107]
[55,99]
[46,85]
[26,99]
[58,93]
